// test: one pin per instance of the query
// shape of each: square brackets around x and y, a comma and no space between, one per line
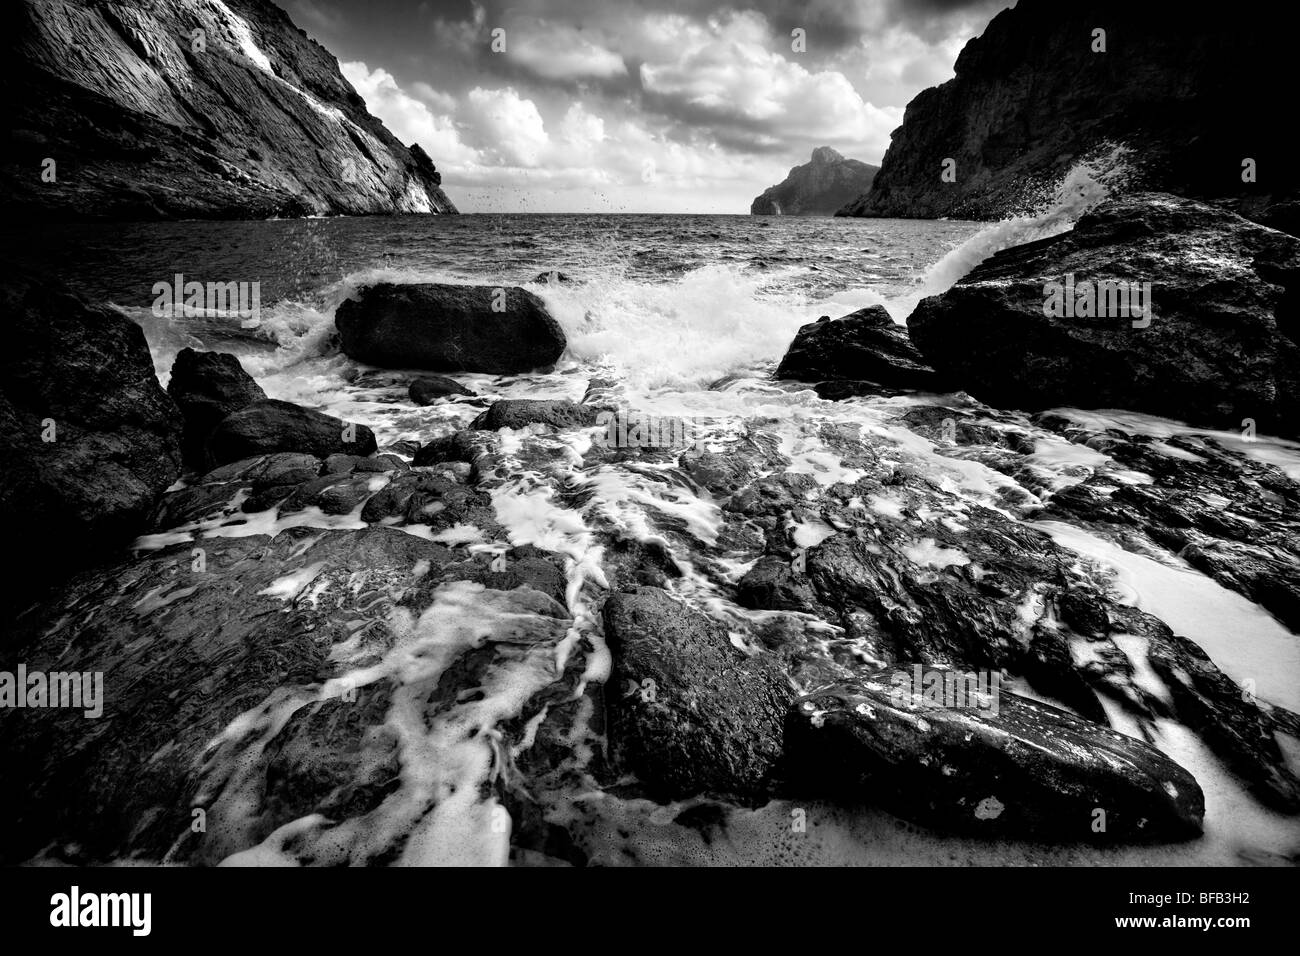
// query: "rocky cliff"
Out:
[816,188]
[193,108]
[1041,89]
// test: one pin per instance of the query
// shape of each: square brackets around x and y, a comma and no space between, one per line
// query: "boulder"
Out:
[1219,347]
[521,412]
[88,436]
[208,386]
[689,713]
[429,388]
[271,426]
[450,328]
[866,344]
[996,764]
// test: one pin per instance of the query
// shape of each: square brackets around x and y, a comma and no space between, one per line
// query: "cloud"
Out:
[409,119]
[559,52]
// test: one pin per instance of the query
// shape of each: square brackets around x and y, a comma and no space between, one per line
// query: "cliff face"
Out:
[193,108]
[1030,98]
[816,188]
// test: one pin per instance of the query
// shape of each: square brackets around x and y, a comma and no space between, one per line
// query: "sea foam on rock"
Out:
[450,328]
[1217,346]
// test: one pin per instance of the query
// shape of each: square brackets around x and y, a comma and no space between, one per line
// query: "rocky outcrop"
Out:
[271,426]
[1033,96]
[1053,322]
[818,187]
[934,751]
[208,386]
[88,436]
[450,328]
[689,713]
[178,109]
[864,346]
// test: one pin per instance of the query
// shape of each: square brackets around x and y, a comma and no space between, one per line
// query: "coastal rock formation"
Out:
[1037,93]
[818,187]
[177,109]
[271,426]
[866,345]
[1220,346]
[992,763]
[689,712]
[88,436]
[449,328]
[208,386]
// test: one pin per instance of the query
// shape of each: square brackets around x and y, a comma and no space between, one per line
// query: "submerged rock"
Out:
[208,386]
[864,345]
[689,713]
[429,388]
[1216,347]
[273,426]
[88,436]
[450,328]
[1004,765]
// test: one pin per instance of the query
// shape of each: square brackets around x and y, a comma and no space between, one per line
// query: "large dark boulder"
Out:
[1220,347]
[450,328]
[689,713]
[941,753]
[864,345]
[88,436]
[271,426]
[208,386]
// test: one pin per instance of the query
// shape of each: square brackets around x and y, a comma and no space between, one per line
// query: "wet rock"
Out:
[866,344]
[1005,765]
[208,386]
[450,328]
[772,585]
[332,494]
[522,412]
[429,388]
[88,436]
[281,468]
[342,464]
[554,276]
[688,712]
[1219,347]
[185,647]
[275,426]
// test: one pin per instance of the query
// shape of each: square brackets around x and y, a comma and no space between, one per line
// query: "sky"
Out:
[637,105]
